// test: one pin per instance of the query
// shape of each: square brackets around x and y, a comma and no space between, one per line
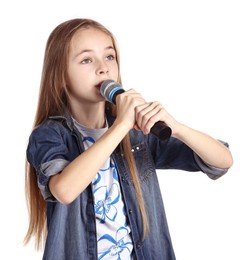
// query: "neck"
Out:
[90,116]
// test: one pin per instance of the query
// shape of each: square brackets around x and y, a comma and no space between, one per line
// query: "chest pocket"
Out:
[143,161]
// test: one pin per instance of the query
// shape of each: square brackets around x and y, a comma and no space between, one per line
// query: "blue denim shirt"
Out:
[72,228]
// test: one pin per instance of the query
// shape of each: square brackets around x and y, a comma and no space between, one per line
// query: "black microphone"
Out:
[110,89]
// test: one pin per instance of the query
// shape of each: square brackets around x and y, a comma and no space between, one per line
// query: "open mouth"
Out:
[98,86]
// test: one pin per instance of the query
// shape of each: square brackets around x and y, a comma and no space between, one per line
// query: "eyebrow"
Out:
[91,50]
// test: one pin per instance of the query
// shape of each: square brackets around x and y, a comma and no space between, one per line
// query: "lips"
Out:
[98,86]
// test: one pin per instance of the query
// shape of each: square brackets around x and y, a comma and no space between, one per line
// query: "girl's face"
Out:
[92,59]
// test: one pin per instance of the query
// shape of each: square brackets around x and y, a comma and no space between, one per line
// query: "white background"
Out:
[193,56]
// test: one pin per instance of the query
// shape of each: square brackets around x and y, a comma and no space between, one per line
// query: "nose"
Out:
[102,68]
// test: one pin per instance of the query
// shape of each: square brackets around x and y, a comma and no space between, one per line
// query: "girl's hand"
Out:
[148,114]
[135,112]
[126,104]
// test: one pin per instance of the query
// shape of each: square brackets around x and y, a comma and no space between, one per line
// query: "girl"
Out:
[91,183]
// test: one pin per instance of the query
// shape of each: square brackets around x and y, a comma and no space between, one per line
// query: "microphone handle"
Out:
[161,130]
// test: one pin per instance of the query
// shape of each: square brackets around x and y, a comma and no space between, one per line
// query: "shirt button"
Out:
[138,246]
[130,211]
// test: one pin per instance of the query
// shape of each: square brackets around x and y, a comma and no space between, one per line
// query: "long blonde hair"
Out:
[52,101]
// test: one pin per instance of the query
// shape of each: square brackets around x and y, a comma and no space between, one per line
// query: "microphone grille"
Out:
[109,88]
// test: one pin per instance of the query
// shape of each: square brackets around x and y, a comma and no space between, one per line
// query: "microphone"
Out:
[110,89]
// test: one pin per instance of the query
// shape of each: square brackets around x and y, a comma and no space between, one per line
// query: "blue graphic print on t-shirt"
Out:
[106,206]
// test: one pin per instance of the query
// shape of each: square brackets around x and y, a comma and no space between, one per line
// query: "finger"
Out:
[141,110]
[137,127]
[148,116]
[130,97]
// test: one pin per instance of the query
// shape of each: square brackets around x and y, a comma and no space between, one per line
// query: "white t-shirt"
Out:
[113,232]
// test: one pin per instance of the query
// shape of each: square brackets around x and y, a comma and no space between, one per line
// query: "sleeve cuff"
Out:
[47,170]
[211,171]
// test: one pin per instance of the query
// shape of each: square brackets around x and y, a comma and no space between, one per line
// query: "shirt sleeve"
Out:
[211,171]
[47,153]
[174,154]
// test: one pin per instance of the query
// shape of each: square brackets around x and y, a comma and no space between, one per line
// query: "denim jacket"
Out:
[72,228]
